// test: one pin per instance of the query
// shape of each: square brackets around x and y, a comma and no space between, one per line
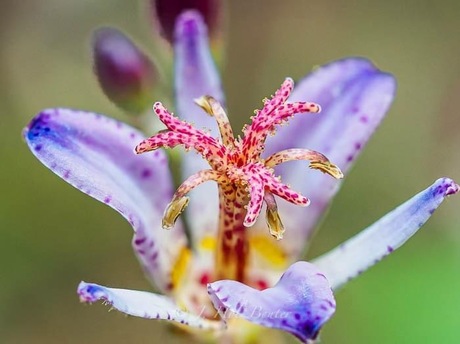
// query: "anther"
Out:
[327,167]
[172,212]
[275,226]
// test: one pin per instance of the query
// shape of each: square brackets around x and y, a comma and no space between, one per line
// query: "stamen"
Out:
[317,160]
[194,180]
[275,226]
[292,155]
[180,201]
[172,212]
[213,108]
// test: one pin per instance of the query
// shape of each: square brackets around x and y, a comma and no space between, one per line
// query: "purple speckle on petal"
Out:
[140,241]
[321,275]
[364,119]
[452,189]
[107,199]
[154,256]
[146,173]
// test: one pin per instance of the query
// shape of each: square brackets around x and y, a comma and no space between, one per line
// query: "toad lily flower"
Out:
[230,268]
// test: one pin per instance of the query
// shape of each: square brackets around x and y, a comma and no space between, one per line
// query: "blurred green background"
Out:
[52,236]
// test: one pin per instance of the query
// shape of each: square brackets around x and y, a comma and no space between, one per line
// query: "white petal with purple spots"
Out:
[95,154]
[143,304]
[377,241]
[300,303]
[196,75]
[354,96]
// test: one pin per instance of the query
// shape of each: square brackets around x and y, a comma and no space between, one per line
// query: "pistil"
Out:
[245,180]
[232,246]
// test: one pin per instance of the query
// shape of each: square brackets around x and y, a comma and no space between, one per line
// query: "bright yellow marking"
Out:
[208,243]
[269,250]
[180,267]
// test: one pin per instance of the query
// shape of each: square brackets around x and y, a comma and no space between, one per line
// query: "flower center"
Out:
[245,180]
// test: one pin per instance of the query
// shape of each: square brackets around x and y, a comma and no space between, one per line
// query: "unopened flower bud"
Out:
[165,13]
[126,75]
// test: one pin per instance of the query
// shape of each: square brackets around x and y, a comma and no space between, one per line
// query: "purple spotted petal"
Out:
[300,303]
[95,154]
[196,75]
[142,304]
[383,237]
[323,86]
[354,97]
